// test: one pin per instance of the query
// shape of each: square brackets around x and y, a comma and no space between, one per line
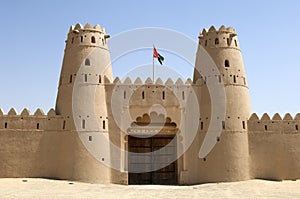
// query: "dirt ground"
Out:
[43,188]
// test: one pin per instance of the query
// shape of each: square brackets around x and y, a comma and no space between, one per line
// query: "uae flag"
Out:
[158,56]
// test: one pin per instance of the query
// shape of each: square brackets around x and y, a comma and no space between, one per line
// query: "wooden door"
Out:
[144,159]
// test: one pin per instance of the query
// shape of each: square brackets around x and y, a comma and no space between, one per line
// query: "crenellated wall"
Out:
[37,121]
[29,143]
[45,146]
[274,146]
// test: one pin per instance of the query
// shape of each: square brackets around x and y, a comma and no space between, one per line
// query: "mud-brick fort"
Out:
[67,142]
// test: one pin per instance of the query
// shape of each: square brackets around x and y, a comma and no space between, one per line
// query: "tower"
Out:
[81,101]
[85,46]
[229,159]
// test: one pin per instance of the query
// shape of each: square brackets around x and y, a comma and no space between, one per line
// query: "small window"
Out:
[90,138]
[103,124]
[85,77]
[205,80]
[228,41]
[83,124]
[183,95]
[81,39]
[217,41]
[38,126]
[220,79]
[244,80]
[64,124]
[124,94]
[99,79]
[235,42]
[218,139]
[143,95]
[244,124]
[93,40]
[201,125]
[5,125]
[205,42]
[163,95]
[234,79]
[87,62]
[296,126]
[223,125]
[71,78]
[266,127]
[226,63]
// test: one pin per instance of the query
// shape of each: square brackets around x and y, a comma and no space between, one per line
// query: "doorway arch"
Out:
[142,146]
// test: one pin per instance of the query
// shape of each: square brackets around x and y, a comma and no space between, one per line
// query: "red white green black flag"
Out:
[158,56]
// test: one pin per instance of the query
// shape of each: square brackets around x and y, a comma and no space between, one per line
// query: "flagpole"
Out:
[153,65]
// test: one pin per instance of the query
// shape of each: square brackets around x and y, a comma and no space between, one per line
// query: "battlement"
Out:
[223,37]
[222,29]
[144,94]
[286,125]
[88,27]
[148,81]
[87,35]
[36,121]
[26,113]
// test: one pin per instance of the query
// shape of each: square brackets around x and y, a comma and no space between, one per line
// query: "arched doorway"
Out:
[143,148]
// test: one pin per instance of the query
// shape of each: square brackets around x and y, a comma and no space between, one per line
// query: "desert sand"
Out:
[43,188]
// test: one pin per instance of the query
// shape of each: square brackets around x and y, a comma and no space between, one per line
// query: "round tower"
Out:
[228,159]
[81,101]
[85,46]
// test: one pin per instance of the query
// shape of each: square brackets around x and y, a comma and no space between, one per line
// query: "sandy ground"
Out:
[43,188]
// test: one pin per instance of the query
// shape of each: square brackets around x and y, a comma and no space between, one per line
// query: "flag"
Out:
[158,56]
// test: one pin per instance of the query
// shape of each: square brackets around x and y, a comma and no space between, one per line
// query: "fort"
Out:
[91,106]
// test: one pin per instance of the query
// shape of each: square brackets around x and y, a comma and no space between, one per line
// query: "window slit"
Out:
[83,124]
[244,125]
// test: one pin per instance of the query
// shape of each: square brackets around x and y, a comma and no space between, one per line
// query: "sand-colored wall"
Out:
[137,99]
[274,147]
[50,151]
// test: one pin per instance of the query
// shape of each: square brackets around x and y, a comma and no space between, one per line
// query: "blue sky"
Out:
[33,35]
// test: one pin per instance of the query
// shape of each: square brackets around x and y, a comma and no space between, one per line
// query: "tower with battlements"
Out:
[81,97]
[224,105]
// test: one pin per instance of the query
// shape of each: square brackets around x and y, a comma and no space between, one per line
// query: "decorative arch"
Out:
[154,119]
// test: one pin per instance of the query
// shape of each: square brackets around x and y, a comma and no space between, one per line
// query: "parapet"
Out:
[222,29]
[87,27]
[276,125]
[168,93]
[27,121]
[223,37]
[148,81]
[26,113]
[87,35]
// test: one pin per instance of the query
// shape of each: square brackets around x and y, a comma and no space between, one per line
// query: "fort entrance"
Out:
[152,152]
